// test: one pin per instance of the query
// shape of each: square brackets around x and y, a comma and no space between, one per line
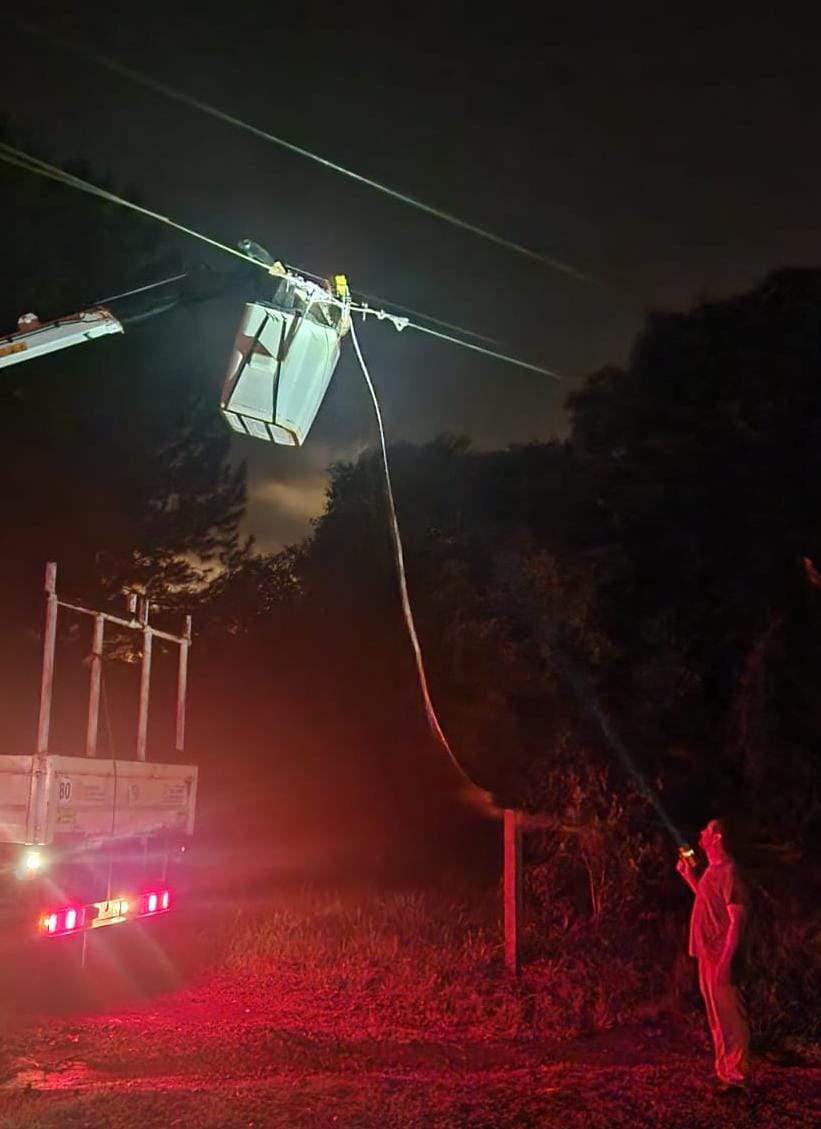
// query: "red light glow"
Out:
[67,919]
[156,901]
[73,919]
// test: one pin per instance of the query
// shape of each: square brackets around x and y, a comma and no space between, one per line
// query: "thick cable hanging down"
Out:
[19,159]
[478,795]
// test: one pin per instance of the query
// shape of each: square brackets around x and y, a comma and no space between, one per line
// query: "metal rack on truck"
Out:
[87,841]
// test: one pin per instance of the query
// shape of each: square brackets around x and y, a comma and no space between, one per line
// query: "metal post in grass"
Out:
[512,888]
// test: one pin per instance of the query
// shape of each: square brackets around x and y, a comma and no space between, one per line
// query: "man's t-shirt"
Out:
[718,887]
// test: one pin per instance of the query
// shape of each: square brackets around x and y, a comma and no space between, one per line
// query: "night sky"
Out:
[670,156]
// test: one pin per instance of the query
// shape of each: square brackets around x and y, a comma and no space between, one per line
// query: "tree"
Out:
[705,457]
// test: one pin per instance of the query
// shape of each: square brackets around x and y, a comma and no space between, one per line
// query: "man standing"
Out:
[715,932]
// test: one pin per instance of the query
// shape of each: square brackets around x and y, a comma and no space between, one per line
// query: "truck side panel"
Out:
[17,799]
[93,799]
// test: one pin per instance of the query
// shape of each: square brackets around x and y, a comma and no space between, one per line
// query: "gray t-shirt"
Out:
[718,887]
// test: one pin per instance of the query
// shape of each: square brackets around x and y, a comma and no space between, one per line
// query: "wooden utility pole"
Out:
[512,888]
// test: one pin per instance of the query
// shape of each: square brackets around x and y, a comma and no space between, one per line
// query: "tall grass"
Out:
[416,964]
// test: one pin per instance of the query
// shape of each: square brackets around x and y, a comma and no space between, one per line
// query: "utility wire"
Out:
[142,289]
[229,119]
[13,156]
[427,317]
[19,159]
[506,357]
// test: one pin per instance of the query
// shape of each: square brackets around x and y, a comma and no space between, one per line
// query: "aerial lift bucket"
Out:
[281,365]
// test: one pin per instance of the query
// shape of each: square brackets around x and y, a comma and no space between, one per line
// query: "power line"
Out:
[229,119]
[420,314]
[19,159]
[141,289]
[507,358]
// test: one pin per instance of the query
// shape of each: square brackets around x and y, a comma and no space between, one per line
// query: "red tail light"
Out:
[155,901]
[67,919]
[75,918]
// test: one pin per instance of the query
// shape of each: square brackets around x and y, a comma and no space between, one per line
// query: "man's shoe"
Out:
[732,1089]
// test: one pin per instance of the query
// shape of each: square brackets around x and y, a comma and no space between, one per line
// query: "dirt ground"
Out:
[274,1050]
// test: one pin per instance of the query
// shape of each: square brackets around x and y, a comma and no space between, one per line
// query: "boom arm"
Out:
[34,340]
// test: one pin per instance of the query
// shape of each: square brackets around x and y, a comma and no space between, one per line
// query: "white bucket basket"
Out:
[280,369]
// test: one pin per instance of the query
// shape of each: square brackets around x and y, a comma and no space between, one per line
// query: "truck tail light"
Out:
[75,918]
[58,922]
[155,901]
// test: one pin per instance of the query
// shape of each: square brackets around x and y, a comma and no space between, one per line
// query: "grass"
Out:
[425,963]
[414,963]
[391,1010]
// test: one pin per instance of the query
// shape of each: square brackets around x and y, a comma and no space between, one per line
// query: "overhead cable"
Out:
[229,119]
[22,160]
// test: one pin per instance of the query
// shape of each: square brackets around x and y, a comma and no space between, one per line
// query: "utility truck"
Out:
[88,842]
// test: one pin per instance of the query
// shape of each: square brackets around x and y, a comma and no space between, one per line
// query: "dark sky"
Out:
[673,155]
